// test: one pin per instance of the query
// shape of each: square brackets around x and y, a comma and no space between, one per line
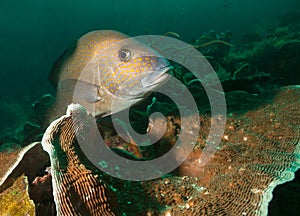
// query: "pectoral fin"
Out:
[74,91]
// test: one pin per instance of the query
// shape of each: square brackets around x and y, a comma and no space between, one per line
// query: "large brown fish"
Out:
[105,66]
[106,72]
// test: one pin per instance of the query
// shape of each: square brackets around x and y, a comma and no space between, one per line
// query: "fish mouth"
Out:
[156,78]
[148,83]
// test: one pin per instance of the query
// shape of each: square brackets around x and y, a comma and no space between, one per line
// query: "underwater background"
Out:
[35,33]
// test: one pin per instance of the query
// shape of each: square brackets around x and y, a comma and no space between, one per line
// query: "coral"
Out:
[29,160]
[214,45]
[213,42]
[72,182]
[277,54]
[15,200]
[260,150]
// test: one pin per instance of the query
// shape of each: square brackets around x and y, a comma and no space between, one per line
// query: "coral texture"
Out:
[76,190]
[260,150]
[15,200]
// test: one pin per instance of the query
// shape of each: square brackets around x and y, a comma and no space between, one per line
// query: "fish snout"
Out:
[158,63]
[158,74]
[138,76]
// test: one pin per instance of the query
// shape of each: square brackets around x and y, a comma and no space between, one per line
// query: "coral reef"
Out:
[259,150]
[258,60]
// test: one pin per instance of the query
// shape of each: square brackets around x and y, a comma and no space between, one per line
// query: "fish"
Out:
[106,71]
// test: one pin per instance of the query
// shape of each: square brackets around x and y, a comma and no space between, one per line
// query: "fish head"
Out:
[107,71]
[135,69]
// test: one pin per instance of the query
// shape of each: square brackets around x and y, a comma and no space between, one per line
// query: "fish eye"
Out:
[124,55]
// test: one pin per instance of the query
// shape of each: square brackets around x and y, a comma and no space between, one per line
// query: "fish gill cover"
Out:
[253,46]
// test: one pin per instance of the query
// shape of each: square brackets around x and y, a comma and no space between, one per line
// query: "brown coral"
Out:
[76,190]
[259,150]
[29,160]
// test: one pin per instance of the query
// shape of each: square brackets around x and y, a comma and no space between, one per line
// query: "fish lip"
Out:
[150,84]
[161,78]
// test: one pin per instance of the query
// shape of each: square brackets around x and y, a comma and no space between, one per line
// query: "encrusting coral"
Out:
[15,200]
[260,150]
